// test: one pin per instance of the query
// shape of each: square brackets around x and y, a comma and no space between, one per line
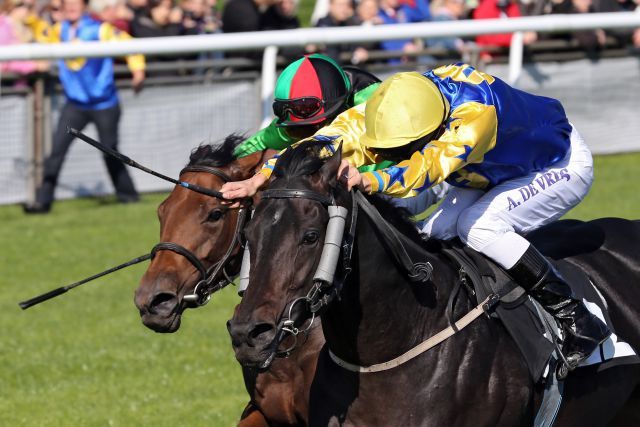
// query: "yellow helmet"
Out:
[404,108]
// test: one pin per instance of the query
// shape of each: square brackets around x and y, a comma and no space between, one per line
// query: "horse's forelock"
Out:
[304,159]
[216,155]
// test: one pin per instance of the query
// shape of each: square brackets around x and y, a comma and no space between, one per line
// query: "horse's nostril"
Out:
[163,303]
[260,329]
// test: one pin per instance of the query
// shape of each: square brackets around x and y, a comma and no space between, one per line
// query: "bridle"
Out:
[209,281]
[286,324]
[326,287]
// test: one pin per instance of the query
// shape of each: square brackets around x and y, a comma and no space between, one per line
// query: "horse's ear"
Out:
[247,166]
[329,170]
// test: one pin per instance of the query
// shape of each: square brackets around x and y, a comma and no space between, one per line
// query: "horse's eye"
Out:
[310,237]
[215,215]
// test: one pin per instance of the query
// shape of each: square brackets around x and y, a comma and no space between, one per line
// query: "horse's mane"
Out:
[400,218]
[305,159]
[216,155]
[300,160]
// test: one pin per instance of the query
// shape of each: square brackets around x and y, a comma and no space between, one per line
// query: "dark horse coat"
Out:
[475,378]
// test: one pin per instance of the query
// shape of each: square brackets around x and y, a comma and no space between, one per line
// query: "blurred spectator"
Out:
[244,15]
[448,10]
[91,94]
[591,41]
[284,16]
[115,12]
[538,7]
[13,31]
[160,19]
[503,9]
[341,14]
[320,10]
[37,26]
[368,12]
[635,38]
[16,13]
[627,5]
[281,16]
[402,12]
[138,7]
[51,13]
[200,17]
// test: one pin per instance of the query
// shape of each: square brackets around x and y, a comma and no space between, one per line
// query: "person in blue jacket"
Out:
[92,97]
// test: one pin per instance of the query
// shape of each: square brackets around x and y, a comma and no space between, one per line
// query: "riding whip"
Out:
[128,161]
[61,290]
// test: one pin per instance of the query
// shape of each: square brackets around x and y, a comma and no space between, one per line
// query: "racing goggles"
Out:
[301,108]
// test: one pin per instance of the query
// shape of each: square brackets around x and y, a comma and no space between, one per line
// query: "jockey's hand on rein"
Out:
[350,177]
[241,189]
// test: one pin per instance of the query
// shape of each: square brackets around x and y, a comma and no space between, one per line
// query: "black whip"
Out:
[126,160]
[61,290]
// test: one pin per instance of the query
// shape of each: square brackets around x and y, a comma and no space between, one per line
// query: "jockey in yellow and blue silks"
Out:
[513,157]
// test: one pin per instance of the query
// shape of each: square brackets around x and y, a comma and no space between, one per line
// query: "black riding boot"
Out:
[583,330]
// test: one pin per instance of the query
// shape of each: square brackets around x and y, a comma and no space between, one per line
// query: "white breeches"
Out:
[488,221]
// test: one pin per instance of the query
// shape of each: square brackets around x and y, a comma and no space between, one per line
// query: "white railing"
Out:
[301,37]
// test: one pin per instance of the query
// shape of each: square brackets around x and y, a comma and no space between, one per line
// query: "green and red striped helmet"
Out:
[310,90]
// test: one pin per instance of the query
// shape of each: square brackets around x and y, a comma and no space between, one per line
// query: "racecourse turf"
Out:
[85,359]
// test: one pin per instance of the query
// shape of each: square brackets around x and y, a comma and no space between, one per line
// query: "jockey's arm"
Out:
[470,134]
[346,129]
[271,137]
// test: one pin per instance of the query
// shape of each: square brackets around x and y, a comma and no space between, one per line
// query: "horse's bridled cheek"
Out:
[303,269]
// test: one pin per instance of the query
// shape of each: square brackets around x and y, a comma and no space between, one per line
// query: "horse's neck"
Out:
[381,313]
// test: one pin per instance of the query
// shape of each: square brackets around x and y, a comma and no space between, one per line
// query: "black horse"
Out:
[477,377]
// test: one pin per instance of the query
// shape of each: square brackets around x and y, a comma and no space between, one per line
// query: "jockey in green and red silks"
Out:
[309,94]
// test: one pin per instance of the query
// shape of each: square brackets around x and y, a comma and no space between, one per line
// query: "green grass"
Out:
[84,359]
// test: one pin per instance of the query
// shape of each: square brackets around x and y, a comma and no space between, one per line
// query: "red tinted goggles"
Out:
[302,108]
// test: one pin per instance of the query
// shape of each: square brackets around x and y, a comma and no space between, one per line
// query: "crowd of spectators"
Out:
[26,21]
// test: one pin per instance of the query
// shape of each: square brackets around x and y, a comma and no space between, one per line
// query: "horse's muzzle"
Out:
[252,342]
[161,313]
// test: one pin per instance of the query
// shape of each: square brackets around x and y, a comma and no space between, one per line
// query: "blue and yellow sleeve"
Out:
[347,129]
[470,134]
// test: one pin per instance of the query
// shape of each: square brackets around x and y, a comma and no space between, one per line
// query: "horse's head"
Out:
[201,227]
[285,237]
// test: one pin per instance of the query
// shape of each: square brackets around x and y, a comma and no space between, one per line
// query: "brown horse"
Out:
[205,227]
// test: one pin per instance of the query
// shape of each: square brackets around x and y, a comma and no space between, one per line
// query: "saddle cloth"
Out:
[534,330]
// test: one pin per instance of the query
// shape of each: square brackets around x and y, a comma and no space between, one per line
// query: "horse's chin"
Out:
[162,324]
[260,361]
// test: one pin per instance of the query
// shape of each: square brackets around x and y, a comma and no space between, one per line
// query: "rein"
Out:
[484,307]
[206,285]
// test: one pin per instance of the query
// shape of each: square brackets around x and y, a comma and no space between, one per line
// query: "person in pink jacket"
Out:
[12,15]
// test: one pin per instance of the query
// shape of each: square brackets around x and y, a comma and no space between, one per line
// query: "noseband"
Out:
[207,283]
